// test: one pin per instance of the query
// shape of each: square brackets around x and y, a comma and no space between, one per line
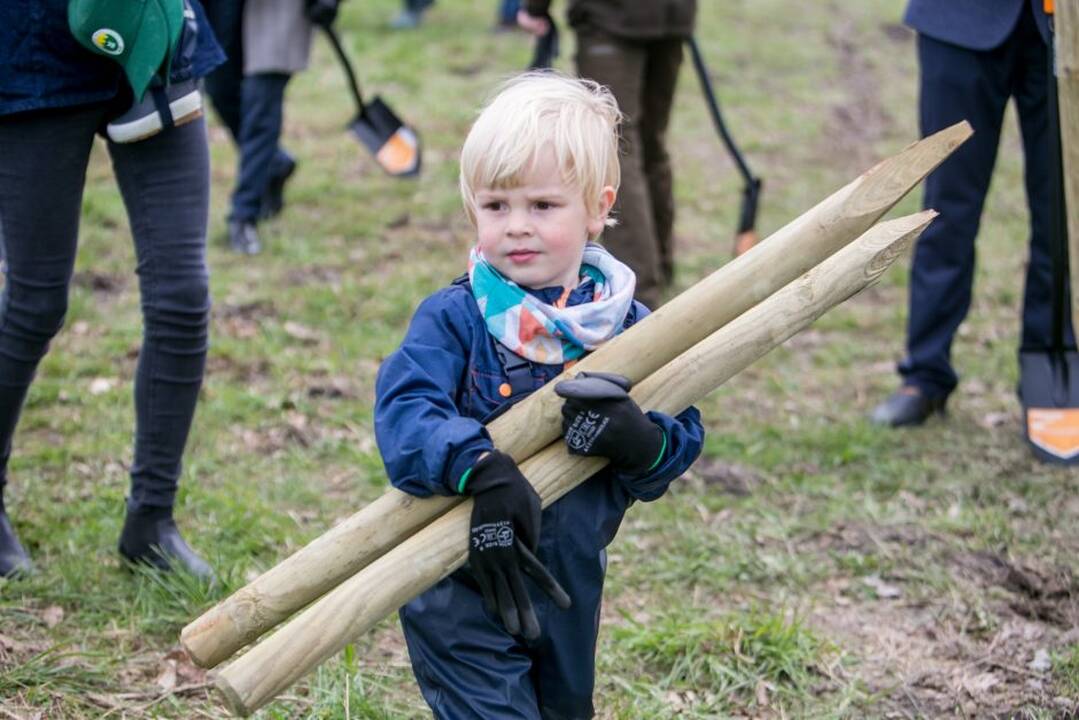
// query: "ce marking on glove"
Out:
[585,429]
[492,535]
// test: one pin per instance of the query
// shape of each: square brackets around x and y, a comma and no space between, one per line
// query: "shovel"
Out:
[746,236]
[1049,379]
[394,145]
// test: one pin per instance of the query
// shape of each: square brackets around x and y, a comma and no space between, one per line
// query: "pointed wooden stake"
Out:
[533,423]
[431,554]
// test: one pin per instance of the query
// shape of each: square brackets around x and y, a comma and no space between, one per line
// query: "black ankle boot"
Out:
[150,536]
[13,557]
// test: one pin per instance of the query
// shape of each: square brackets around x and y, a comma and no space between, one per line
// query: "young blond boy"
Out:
[539,173]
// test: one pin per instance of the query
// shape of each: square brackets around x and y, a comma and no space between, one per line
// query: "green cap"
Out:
[141,35]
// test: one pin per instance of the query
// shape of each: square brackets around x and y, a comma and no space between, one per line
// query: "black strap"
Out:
[518,371]
[161,102]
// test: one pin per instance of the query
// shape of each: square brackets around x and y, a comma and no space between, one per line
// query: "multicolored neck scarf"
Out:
[554,334]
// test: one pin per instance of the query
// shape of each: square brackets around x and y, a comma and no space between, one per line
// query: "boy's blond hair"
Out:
[576,118]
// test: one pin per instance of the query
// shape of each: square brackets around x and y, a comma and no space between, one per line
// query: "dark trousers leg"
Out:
[223,84]
[466,664]
[41,180]
[660,79]
[956,84]
[621,66]
[260,131]
[165,182]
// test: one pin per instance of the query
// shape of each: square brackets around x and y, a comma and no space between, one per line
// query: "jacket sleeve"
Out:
[685,438]
[426,444]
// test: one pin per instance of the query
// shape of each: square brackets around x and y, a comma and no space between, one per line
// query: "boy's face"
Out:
[535,234]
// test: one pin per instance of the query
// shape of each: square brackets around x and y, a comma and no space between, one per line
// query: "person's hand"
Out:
[534,24]
[503,536]
[599,418]
[322,12]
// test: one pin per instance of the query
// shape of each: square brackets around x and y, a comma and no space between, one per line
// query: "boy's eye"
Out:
[493,205]
[544,205]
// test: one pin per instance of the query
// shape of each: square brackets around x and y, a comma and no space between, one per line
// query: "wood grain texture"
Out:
[431,554]
[535,422]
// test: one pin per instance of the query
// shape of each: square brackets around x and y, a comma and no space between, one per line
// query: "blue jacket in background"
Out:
[42,66]
[971,24]
[433,395]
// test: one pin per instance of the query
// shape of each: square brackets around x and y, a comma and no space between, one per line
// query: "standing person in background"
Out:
[411,14]
[225,88]
[55,96]
[634,47]
[507,15]
[974,56]
[268,41]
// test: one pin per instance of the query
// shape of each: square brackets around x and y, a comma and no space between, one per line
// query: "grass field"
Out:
[810,565]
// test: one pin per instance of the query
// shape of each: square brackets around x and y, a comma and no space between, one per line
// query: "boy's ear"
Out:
[603,208]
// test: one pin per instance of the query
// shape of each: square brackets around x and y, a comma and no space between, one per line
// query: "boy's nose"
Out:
[518,224]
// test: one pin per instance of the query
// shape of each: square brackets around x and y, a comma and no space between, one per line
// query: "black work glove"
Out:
[322,12]
[599,418]
[504,533]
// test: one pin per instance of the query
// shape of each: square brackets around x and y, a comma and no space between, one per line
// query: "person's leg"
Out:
[507,13]
[411,14]
[956,84]
[620,66]
[41,180]
[565,655]
[260,131]
[1031,100]
[165,185]
[660,80]
[466,664]
[223,84]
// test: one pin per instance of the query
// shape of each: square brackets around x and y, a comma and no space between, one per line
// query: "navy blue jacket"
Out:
[971,24]
[42,66]
[435,391]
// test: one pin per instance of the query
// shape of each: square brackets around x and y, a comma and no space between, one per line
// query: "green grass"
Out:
[762,585]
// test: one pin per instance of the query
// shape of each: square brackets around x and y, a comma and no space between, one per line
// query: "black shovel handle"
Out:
[1058,218]
[752,189]
[353,85]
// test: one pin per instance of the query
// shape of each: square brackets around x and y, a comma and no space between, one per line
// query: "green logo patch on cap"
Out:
[140,35]
[108,41]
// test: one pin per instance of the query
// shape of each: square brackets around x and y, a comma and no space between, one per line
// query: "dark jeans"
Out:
[240,102]
[165,186]
[223,84]
[507,11]
[642,76]
[959,84]
[262,99]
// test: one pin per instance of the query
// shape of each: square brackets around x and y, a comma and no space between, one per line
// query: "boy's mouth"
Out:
[521,256]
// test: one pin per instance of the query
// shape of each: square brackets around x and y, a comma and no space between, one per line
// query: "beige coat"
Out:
[276,36]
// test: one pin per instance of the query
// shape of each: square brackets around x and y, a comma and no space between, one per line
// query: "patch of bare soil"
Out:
[860,119]
[242,320]
[727,477]
[247,372]
[981,648]
[103,284]
[322,275]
